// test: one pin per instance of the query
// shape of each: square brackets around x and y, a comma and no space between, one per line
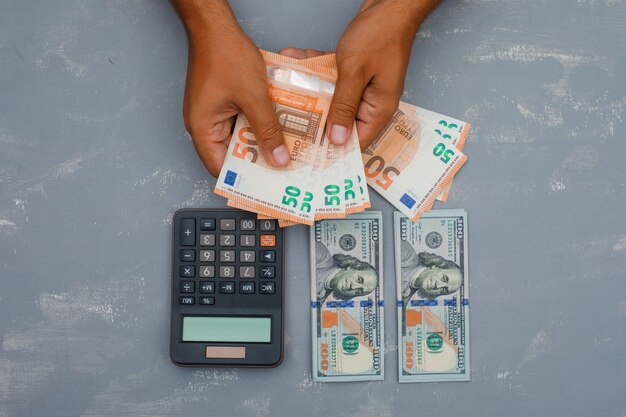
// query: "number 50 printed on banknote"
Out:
[433,297]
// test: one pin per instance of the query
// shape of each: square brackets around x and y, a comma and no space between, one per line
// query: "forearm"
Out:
[205,18]
[409,13]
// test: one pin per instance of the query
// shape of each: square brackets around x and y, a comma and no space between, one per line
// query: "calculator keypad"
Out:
[231,257]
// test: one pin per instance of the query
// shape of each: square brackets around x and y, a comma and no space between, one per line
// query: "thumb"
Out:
[267,130]
[344,107]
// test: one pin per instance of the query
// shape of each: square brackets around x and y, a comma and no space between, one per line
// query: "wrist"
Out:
[204,19]
[408,13]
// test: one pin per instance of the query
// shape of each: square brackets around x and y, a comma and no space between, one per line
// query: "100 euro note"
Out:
[433,296]
[347,298]
[409,164]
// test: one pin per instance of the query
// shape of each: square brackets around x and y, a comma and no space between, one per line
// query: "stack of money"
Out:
[411,164]
[322,181]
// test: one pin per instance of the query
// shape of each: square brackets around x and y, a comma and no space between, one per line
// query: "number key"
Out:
[227,240]
[248,240]
[246,272]
[247,225]
[247,256]
[227,272]
[207,240]
[267,225]
[227,256]
[207,256]
[207,271]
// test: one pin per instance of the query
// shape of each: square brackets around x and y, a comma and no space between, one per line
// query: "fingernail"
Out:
[338,134]
[280,154]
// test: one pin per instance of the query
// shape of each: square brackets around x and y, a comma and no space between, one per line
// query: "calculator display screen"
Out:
[227,329]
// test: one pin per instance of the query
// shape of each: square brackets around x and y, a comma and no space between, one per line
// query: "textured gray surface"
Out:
[94,160]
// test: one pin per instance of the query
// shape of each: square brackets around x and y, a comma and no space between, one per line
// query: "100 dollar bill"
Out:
[433,297]
[347,298]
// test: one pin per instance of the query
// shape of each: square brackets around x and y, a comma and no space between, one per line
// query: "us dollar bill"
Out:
[433,296]
[347,298]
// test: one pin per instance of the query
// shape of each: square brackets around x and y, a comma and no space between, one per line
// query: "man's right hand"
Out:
[226,75]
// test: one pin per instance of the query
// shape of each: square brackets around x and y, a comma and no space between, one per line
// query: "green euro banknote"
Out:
[347,298]
[433,296]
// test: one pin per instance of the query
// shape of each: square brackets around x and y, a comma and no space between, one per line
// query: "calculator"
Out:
[227,289]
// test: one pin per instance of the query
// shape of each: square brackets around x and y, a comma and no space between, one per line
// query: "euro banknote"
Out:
[451,130]
[410,165]
[321,180]
[433,296]
[347,298]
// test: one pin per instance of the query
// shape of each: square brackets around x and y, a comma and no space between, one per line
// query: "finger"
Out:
[372,118]
[212,154]
[299,53]
[266,128]
[344,106]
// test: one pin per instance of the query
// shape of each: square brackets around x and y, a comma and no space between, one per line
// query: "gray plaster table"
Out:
[94,160]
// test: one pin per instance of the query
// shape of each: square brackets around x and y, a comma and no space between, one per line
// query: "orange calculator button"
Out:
[268,240]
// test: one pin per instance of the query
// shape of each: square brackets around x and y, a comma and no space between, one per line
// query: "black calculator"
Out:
[227,289]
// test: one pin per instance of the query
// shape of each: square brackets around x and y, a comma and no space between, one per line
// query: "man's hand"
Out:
[226,75]
[372,57]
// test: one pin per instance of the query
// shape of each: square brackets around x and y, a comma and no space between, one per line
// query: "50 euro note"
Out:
[450,129]
[317,182]
[433,296]
[337,170]
[347,298]
[406,130]
[410,165]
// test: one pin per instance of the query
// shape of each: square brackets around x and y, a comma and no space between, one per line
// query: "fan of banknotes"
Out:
[411,164]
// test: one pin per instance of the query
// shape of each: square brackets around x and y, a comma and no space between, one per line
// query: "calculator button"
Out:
[267,256]
[188,271]
[186,300]
[267,225]
[207,287]
[207,240]
[227,224]
[267,288]
[188,232]
[187,286]
[187,255]
[227,287]
[207,224]
[247,240]
[207,271]
[227,256]
[207,256]
[246,272]
[227,272]
[206,301]
[247,225]
[268,240]
[227,240]
[247,256]
[246,287]
[267,272]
